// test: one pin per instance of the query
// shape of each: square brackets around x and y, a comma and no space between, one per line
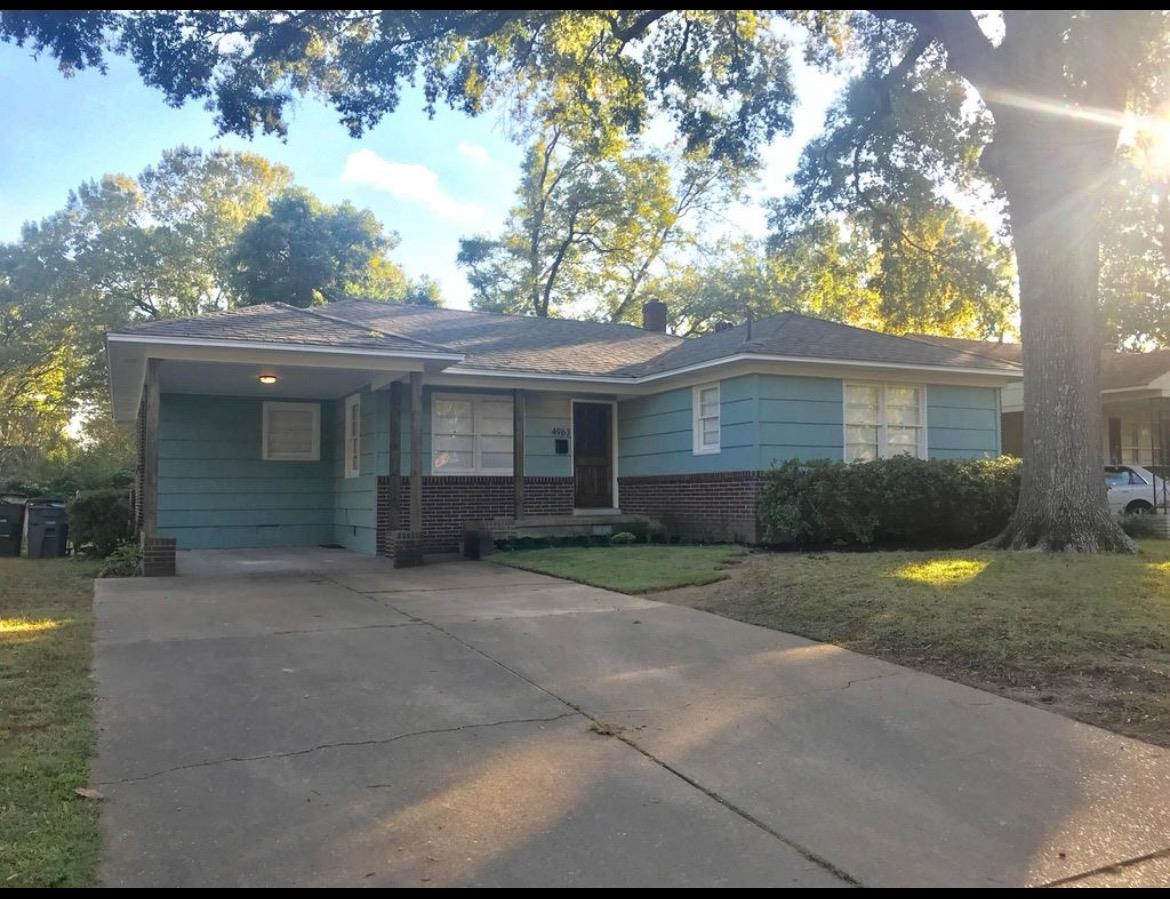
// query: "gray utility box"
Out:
[11,524]
[48,531]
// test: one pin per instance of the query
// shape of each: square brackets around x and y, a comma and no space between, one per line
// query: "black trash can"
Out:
[48,531]
[11,524]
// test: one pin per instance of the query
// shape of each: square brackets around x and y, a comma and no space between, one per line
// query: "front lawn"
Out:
[629,569]
[1088,636]
[48,835]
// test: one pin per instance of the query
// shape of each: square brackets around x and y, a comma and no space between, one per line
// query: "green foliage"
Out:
[303,252]
[105,459]
[1141,526]
[590,228]
[103,518]
[721,76]
[623,538]
[124,561]
[900,501]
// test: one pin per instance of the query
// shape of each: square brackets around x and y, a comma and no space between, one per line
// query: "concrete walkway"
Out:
[326,720]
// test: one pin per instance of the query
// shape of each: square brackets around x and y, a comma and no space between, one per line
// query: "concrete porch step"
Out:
[539,526]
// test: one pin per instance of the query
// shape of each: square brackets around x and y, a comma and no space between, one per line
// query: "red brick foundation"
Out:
[158,556]
[716,506]
[450,502]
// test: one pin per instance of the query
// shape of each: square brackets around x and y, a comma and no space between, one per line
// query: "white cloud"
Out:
[411,182]
[478,152]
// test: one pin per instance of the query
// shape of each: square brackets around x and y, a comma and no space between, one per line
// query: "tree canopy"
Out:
[303,252]
[199,231]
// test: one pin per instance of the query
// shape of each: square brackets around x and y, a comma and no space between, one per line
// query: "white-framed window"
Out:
[884,420]
[353,436]
[291,432]
[471,434]
[705,406]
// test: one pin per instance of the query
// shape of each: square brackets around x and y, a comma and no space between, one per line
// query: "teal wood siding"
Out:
[354,499]
[799,418]
[215,491]
[655,433]
[543,411]
[962,422]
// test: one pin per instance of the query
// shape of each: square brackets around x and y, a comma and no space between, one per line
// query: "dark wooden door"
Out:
[593,455]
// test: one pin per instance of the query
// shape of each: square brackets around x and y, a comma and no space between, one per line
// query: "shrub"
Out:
[124,561]
[103,518]
[622,538]
[900,501]
[1139,526]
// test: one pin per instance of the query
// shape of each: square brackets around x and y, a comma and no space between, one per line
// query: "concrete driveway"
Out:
[320,719]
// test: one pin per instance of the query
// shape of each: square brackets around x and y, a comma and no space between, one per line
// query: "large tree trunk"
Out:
[1051,169]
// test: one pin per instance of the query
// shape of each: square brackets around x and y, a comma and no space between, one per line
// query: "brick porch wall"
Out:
[716,506]
[449,502]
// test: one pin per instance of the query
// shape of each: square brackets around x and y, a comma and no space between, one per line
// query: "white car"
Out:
[1134,490]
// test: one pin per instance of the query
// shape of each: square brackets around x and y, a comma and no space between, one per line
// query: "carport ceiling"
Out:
[240,379]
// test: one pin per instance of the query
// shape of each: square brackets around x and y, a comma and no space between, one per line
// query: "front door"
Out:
[593,455]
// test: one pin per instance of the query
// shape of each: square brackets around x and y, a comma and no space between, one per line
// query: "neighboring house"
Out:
[1135,402]
[379,426]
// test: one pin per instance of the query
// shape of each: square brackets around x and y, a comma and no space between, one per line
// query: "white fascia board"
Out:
[992,374]
[279,347]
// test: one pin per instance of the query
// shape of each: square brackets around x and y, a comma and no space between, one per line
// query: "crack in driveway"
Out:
[600,727]
[377,741]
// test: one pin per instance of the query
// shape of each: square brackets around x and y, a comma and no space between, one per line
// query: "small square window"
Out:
[291,432]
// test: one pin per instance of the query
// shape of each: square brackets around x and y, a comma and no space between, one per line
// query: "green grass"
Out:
[48,835]
[1085,635]
[629,569]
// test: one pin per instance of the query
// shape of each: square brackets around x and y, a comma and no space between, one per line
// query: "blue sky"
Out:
[432,181]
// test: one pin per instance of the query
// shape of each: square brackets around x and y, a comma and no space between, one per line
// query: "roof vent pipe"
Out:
[654,316]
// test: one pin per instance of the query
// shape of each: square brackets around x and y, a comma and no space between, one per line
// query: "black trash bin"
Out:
[48,530]
[11,524]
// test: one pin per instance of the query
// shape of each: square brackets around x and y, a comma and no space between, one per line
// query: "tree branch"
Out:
[969,52]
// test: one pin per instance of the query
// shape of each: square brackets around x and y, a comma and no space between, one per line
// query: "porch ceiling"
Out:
[240,379]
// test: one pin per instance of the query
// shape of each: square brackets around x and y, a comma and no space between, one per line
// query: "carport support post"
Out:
[394,517]
[518,453]
[149,498]
[416,517]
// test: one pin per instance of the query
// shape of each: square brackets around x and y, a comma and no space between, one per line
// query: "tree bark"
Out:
[1051,169]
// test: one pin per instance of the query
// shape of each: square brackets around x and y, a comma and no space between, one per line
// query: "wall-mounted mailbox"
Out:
[562,446]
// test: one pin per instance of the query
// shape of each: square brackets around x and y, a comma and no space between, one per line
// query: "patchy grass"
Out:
[48,835]
[1088,636]
[629,569]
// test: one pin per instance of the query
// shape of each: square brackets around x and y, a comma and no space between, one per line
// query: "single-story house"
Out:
[379,427]
[1135,402]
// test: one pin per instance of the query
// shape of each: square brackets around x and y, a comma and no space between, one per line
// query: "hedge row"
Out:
[901,501]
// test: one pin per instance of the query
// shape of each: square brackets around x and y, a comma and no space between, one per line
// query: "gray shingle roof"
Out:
[792,334]
[278,323]
[516,343]
[1118,370]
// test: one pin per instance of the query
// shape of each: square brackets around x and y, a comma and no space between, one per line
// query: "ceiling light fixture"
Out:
[267,379]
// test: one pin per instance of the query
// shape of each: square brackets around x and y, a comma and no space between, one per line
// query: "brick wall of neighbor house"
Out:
[451,501]
[708,506]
